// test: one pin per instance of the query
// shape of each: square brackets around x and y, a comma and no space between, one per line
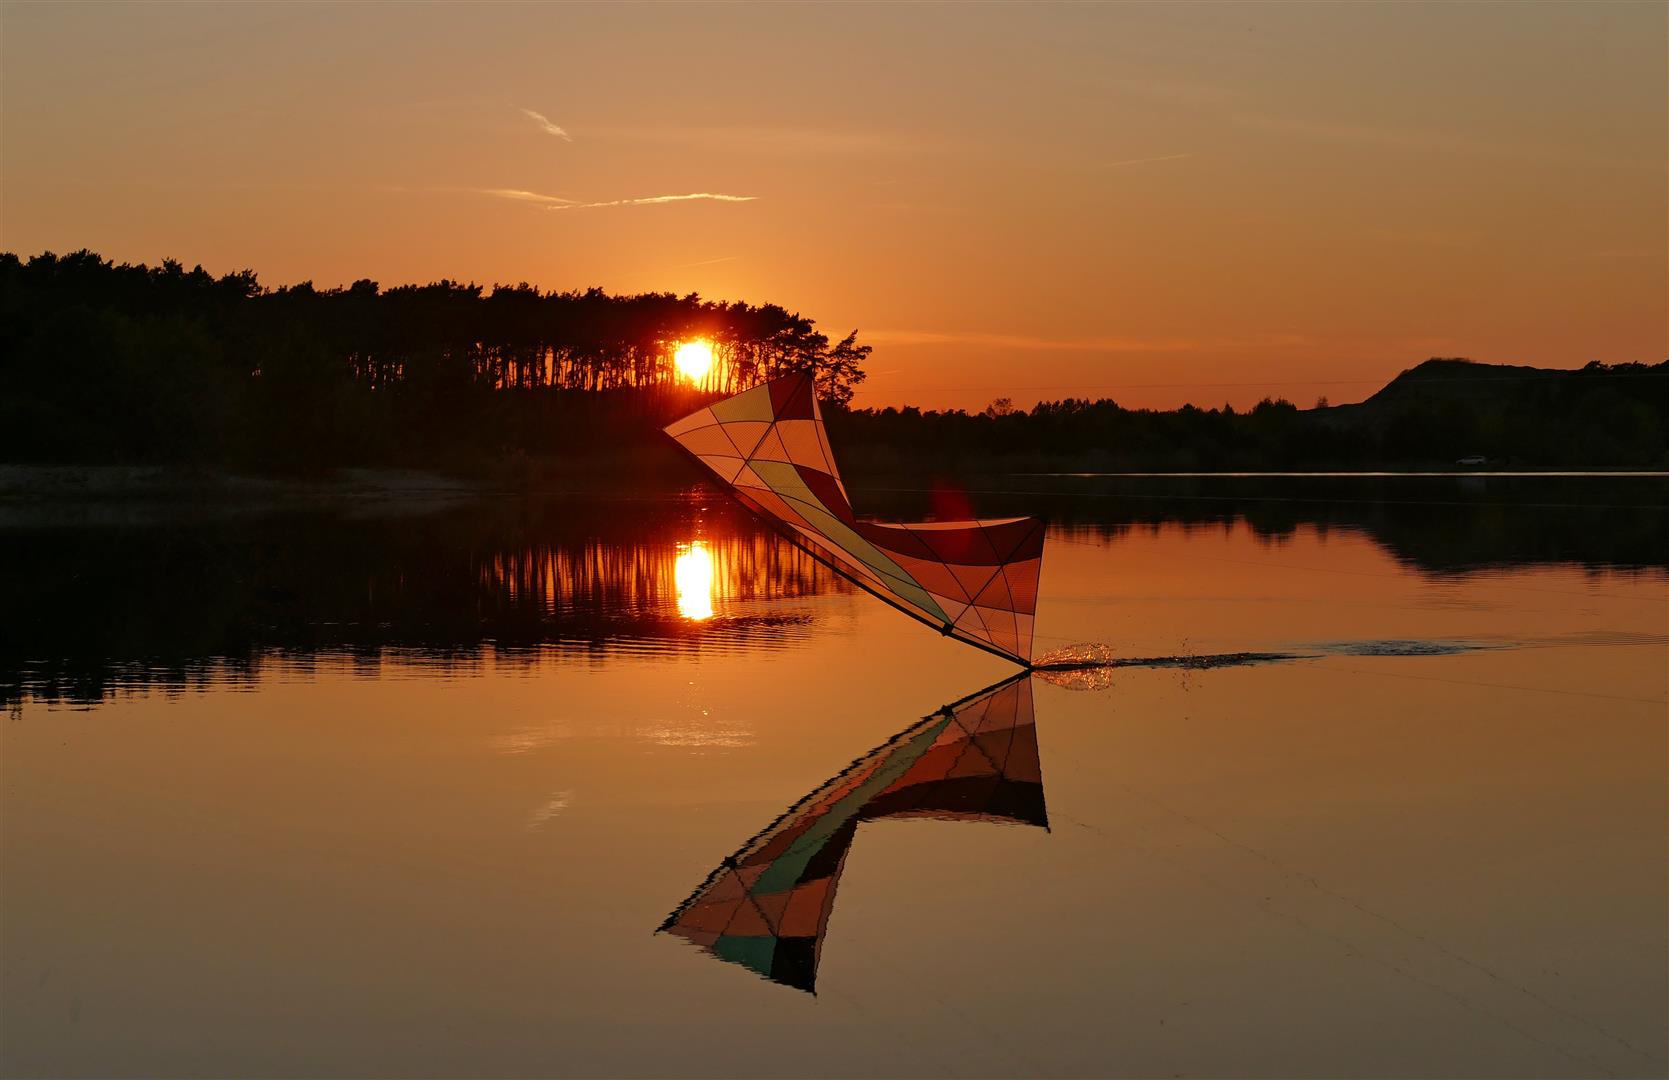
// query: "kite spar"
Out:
[975,581]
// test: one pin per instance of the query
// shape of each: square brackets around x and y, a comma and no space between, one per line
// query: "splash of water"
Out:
[1089,665]
[1089,654]
[1083,654]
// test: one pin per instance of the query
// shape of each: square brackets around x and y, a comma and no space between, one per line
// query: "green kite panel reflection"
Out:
[767,906]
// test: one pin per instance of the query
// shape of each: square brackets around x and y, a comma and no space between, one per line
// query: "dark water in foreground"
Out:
[406,788]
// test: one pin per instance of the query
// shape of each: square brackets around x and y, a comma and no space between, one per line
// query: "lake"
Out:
[408,786]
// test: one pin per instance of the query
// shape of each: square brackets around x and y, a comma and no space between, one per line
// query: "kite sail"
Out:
[972,580]
[767,906]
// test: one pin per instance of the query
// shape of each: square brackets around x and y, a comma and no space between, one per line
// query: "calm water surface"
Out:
[406,788]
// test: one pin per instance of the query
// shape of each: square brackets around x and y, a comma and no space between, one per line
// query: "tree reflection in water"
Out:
[96,610]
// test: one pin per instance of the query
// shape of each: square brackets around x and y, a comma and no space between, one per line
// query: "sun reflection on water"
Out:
[693,574]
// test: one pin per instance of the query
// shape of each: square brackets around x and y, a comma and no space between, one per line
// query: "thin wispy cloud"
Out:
[1143,160]
[653,200]
[663,268]
[1030,343]
[546,126]
[528,197]
[557,202]
[1025,341]
[554,806]
[706,262]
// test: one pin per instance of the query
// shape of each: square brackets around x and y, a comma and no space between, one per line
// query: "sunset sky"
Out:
[1158,204]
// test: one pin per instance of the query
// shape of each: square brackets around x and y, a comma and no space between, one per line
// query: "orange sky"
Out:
[1154,203]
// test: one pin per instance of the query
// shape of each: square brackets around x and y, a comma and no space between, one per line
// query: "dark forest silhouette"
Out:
[137,363]
[105,363]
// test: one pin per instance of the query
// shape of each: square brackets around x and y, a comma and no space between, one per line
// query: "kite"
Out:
[767,906]
[975,581]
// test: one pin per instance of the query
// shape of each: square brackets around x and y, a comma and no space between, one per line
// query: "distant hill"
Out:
[1460,379]
[1512,414]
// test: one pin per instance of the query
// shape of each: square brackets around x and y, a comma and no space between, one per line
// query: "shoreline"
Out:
[162,483]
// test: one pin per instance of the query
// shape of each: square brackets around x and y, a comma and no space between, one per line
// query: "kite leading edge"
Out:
[975,581]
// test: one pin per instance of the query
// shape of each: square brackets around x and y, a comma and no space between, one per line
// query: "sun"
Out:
[693,359]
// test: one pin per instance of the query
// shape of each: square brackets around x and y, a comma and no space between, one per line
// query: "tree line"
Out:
[139,364]
[1433,415]
[159,363]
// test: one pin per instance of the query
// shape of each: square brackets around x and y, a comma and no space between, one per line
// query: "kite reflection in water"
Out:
[767,906]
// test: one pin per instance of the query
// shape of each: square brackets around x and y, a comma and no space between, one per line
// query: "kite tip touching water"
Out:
[975,581]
